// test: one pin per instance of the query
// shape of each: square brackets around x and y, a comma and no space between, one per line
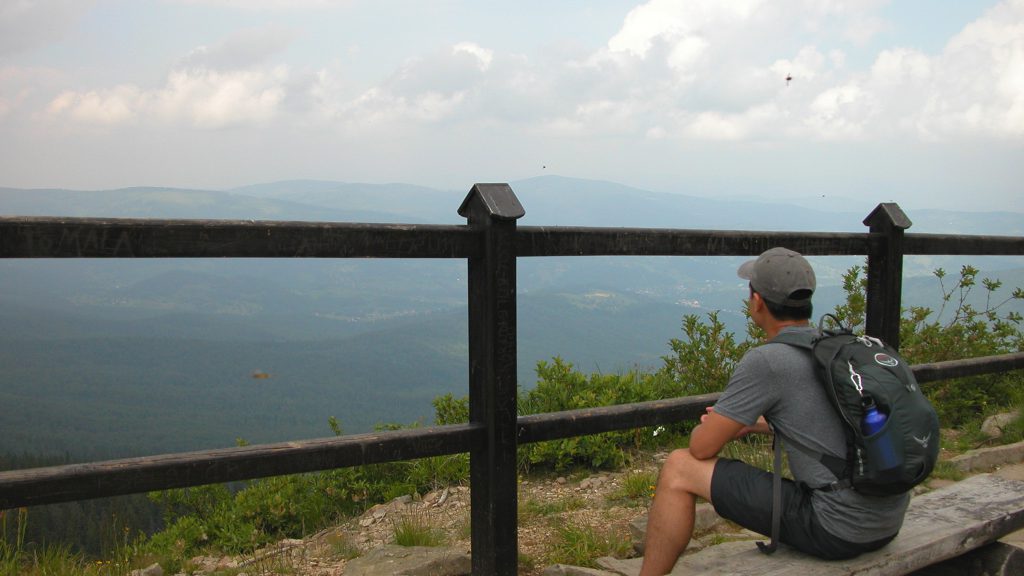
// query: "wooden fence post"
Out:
[885,273]
[493,209]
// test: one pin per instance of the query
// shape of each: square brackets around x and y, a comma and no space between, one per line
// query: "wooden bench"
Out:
[939,525]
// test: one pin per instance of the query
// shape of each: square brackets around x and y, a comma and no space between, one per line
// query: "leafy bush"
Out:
[965,332]
[703,361]
[969,333]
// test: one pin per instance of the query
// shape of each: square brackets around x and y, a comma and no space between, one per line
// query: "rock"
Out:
[153,570]
[987,458]
[561,480]
[403,500]
[411,561]
[994,425]
[705,520]
[638,532]
[594,482]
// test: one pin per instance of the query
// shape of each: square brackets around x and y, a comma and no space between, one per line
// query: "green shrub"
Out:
[702,361]
[958,330]
[182,539]
[451,410]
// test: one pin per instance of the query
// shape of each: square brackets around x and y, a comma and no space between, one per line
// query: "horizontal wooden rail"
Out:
[127,238]
[968,367]
[958,244]
[133,475]
[581,241]
[585,421]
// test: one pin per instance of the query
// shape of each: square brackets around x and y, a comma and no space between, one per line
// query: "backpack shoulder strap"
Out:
[806,340]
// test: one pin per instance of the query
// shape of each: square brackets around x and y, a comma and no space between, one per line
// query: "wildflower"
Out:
[659,430]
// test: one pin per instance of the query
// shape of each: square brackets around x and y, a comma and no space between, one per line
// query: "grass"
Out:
[637,487]
[532,508]
[340,547]
[415,530]
[582,545]
[946,470]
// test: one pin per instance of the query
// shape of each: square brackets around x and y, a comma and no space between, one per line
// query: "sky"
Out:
[919,102]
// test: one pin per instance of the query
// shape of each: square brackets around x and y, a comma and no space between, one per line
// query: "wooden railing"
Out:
[491,243]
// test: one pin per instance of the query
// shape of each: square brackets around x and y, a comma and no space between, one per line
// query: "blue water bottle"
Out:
[879,447]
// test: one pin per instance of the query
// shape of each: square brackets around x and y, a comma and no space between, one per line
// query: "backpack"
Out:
[858,373]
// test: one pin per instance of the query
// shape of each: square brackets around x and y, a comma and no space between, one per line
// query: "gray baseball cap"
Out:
[781,276]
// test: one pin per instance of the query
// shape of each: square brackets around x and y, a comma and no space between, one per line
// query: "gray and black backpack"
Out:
[859,372]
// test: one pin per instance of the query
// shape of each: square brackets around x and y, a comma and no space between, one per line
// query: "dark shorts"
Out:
[743,494]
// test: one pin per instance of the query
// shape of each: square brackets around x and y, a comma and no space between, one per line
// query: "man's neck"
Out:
[773,329]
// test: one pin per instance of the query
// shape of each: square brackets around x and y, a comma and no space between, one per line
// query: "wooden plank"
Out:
[133,475]
[582,422]
[962,244]
[939,525]
[133,238]
[583,241]
[968,367]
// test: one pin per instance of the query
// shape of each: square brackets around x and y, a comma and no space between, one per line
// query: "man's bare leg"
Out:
[670,522]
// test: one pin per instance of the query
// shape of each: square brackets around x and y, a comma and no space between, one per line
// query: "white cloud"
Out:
[206,99]
[841,113]
[978,82]
[806,65]
[115,106]
[212,99]
[676,21]
[901,65]
[484,56]
[676,69]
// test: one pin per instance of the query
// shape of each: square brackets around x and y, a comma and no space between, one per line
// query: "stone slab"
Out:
[394,560]
[939,525]
[988,458]
[996,559]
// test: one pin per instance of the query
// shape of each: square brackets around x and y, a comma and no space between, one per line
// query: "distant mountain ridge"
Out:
[548,200]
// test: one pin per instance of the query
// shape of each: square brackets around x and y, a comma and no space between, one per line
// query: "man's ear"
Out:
[757,302]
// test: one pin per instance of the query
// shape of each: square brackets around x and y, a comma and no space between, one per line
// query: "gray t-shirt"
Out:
[778,381]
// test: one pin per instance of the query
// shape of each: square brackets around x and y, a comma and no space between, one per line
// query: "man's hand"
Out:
[713,432]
